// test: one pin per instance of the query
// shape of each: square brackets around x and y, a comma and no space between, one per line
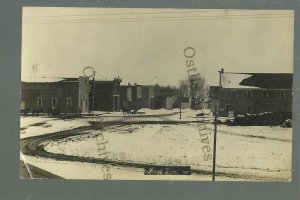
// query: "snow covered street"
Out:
[79,148]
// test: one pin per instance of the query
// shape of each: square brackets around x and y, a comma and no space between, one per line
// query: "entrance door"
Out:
[227,108]
[249,108]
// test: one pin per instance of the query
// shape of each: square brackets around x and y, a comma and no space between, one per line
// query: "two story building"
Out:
[164,97]
[106,95]
[137,96]
[69,95]
[252,93]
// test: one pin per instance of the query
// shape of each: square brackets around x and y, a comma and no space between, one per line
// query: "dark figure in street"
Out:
[36,112]
[53,112]
[25,112]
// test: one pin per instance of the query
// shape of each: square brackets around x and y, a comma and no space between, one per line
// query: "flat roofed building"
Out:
[106,95]
[69,95]
[164,97]
[137,96]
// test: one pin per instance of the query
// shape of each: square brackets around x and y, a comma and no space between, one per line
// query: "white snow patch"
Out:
[34,126]
[233,80]
[243,152]
[257,151]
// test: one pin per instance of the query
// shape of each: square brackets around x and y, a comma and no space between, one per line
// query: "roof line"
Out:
[46,77]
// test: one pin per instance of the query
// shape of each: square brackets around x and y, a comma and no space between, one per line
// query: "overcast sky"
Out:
[146,45]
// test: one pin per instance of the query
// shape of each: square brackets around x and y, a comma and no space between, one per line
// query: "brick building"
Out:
[107,95]
[147,96]
[137,96]
[69,95]
[253,93]
[164,97]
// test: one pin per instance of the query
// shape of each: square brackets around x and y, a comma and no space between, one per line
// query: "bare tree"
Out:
[184,88]
[195,88]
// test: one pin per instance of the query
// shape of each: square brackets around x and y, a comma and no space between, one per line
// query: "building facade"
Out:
[106,95]
[252,93]
[147,96]
[164,97]
[69,95]
[137,96]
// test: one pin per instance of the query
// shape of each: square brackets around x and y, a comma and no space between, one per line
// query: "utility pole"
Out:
[215,145]
[215,132]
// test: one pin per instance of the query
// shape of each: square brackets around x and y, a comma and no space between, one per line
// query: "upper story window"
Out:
[265,94]
[54,102]
[234,94]
[40,102]
[151,92]
[282,94]
[129,93]
[139,91]
[249,94]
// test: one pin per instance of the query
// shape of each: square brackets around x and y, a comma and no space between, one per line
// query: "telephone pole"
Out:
[215,146]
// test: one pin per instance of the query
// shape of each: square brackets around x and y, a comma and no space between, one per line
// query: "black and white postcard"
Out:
[156,94]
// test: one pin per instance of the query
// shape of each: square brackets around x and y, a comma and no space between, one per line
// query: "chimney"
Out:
[220,76]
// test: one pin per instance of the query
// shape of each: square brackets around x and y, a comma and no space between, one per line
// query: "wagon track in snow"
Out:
[251,136]
[34,146]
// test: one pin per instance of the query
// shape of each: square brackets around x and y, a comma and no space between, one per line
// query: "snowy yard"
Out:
[243,153]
